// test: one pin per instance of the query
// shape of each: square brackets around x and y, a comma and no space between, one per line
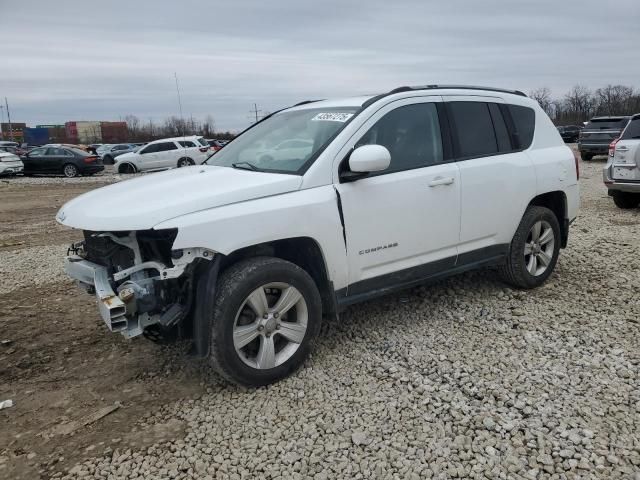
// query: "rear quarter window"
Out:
[632,131]
[524,120]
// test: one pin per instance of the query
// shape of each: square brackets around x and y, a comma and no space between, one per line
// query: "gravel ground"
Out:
[31,266]
[462,379]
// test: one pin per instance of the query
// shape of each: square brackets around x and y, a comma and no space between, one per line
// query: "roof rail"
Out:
[304,103]
[469,87]
[441,87]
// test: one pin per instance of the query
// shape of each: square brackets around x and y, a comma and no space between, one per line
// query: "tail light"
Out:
[612,147]
[203,149]
[90,159]
[577,161]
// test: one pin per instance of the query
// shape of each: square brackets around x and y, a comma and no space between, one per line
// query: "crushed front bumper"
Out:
[95,277]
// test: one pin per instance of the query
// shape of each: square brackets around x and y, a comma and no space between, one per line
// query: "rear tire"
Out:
[586,156]
[70,170]
[521,270]
[185,162]
[626,200]
[266,314]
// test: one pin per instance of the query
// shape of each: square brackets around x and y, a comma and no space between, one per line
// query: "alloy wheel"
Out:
[270,325]
[538,249]
[70,171]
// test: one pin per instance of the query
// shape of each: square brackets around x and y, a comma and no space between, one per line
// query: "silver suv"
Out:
[622,173]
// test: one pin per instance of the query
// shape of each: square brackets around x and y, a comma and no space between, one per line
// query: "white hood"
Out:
[143,202]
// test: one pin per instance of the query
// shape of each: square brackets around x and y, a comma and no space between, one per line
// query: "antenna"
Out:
[179,101]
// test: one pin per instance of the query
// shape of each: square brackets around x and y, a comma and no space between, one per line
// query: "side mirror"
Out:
[369,158]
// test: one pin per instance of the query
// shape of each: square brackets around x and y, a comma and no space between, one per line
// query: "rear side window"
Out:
[474,128]
[500,127]
[632,131]
[165,146]
[187,143]
[524,119]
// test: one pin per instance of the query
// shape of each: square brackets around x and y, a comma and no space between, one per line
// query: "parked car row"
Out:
[570,133]
[164,154]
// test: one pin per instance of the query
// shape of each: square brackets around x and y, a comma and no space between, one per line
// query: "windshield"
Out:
[288,142]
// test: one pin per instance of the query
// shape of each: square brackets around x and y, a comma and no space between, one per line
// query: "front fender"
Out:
[309,213]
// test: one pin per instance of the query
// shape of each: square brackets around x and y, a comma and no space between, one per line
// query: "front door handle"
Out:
[441,181]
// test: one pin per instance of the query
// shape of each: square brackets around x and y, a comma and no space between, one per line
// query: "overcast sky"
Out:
[101,60]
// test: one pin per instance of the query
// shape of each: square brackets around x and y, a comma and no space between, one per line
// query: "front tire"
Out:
[534,250]
[626,200]
[266,314]
[127,168]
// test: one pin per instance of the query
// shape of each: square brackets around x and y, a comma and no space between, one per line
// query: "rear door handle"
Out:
[441,181]
[622,149]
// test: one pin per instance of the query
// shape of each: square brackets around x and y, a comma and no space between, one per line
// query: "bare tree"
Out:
[543,97]
[613,99]
[208,126]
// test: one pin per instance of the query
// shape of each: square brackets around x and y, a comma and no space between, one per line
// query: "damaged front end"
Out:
[141,284]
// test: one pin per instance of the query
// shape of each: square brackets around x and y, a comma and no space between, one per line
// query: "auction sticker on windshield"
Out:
[332,117]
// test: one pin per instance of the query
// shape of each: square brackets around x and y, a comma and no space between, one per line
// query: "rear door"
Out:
[626,156]
[55,158]
[497,178]
[190,150]
[169,154]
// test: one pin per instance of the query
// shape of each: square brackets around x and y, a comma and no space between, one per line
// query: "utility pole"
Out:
[179,102]
[9,118]
[1,121]
[255,112]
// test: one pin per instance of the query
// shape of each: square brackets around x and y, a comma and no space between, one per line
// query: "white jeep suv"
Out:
[164,154]
[245,254]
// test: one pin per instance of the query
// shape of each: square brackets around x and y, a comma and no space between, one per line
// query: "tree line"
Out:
[581,103]
[146,131]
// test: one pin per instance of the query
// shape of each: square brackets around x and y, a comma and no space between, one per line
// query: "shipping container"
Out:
[114,132]
[36,136]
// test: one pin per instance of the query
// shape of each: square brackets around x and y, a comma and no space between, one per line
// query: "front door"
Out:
[34,160]
[402,224]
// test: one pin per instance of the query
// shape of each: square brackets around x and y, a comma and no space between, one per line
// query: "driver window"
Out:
[411,134]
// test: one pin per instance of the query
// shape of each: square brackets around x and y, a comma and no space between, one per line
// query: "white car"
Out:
[10,164]
[399,189]
[293,149]
[164,154]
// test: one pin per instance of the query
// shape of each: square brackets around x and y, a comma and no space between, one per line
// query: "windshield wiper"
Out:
[245,166]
